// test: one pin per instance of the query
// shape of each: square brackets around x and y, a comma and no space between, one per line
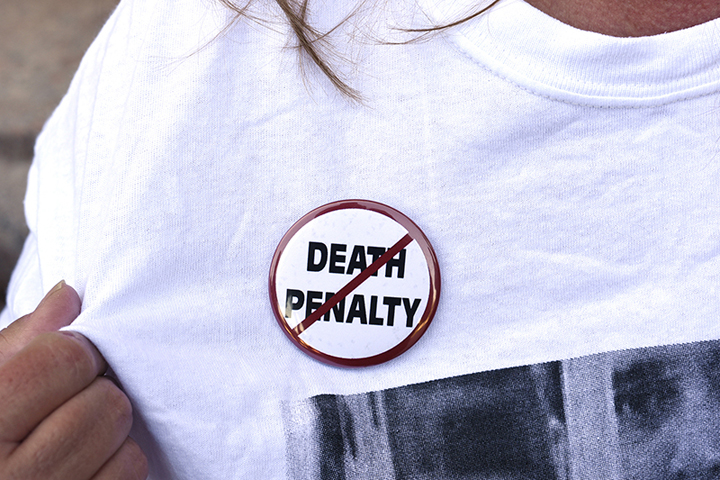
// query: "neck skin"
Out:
[630,18]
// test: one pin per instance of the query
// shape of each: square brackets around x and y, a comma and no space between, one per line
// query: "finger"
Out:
[59,308]
[78,438]
[128,463]
[45,374]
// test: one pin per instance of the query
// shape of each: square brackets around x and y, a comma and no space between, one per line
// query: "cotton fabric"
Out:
[567,180]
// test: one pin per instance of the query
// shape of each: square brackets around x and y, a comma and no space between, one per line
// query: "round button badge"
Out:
[354,283]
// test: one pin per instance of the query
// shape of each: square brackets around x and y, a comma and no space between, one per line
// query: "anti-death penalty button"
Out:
[354,283]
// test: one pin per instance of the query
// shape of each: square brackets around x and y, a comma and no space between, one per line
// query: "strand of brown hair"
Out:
[313,44]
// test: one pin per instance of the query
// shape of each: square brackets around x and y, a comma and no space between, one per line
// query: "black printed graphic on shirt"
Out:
[645,414]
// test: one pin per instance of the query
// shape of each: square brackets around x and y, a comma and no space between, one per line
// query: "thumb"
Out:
[59,308]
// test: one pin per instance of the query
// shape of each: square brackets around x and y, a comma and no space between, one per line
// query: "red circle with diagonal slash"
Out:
[328,331]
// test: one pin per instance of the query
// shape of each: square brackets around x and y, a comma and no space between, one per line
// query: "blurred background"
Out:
[41,44]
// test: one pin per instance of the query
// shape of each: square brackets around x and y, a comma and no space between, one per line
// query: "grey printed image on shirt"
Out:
[644,414]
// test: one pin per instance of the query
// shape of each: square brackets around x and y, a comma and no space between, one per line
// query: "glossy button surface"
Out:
[354,283]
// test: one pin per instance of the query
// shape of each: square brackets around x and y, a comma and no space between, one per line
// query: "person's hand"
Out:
[58,418]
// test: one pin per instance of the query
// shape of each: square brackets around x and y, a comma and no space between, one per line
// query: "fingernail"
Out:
[53,290]
[56,288]
[70,333]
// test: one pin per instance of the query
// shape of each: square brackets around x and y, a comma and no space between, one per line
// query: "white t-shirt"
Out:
[567,180]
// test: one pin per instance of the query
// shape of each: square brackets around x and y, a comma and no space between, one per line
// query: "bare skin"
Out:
[60,419]
[630,18]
